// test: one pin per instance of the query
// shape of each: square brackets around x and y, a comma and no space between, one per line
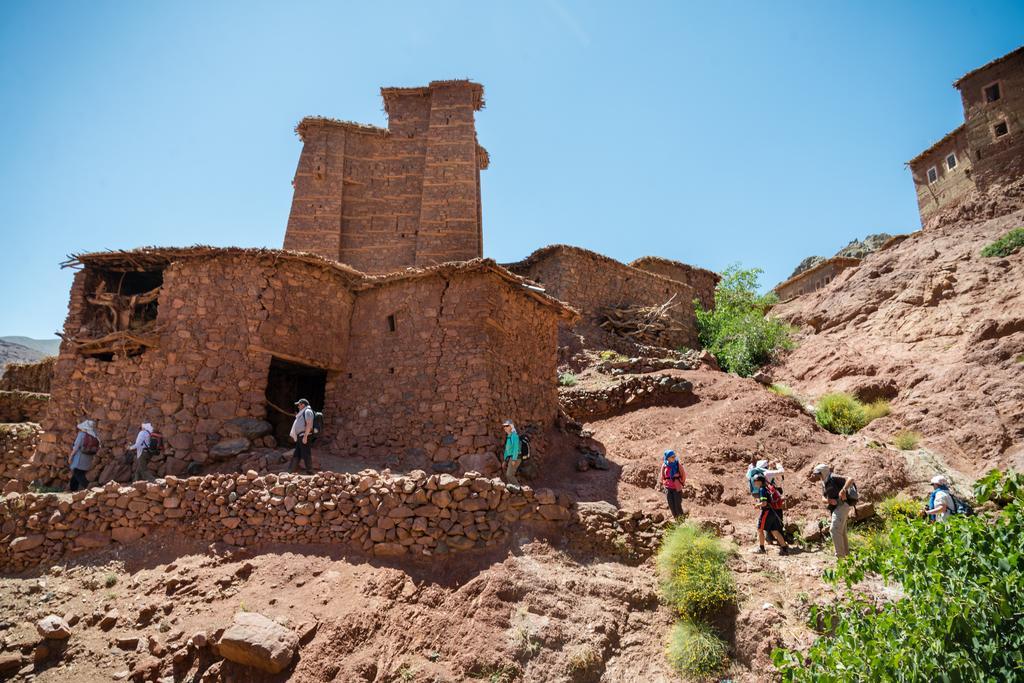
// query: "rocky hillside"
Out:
[935,328]
[855,249]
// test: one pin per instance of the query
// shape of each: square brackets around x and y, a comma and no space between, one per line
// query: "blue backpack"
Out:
[754,491]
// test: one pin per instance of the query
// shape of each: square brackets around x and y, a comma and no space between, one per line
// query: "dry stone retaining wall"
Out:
[17,442]
[28,376]
[23,406]
[407,516]
[587,405]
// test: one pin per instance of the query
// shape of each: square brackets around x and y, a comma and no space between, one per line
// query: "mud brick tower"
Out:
[381,200]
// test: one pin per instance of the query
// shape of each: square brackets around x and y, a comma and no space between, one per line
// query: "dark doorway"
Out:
[286,384]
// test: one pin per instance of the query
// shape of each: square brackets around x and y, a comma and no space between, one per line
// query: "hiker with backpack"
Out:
[839,493]
[769,519]
[303,435]
[772,471]
[673,477]
[511,455]
[147,444]
[87,445]
[941,503]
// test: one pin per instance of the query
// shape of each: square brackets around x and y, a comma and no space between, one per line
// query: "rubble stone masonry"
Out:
[382,200]
[28,376]
[703,281]
[415,515]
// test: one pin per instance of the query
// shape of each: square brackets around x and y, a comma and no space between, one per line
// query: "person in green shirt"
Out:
[510,459]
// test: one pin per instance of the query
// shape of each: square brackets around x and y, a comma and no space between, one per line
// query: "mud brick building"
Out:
[814,278]
[423,364]
[385,199]
[593,284]
[703,281]
[987,149]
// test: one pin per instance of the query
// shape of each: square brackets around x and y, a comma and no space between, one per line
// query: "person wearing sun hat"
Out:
[87,444]
[673,477]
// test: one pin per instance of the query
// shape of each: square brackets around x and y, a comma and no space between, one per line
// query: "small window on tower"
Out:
[933,175]
[992,93]
[391,323]
[1000,129]
[951,162]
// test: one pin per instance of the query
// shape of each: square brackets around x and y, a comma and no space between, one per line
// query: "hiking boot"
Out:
[759,551]
[784,550]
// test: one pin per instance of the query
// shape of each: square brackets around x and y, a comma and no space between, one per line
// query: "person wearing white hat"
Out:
[940,502]
[837,492]
[87,445]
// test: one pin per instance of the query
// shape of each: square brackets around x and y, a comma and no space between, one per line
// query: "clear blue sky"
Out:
[709,132]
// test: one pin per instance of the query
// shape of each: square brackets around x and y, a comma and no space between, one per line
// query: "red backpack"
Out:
[90,444]
[775,501]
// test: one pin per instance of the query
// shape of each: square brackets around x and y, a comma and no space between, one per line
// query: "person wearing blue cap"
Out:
[673,477]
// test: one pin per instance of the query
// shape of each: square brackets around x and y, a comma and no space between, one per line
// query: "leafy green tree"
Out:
[962,614]
[737,330]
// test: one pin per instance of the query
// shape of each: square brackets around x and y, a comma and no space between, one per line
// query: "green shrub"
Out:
[614,356]
[567,379]
[876,409]
[110,580]
[906,441]
[737,331]
[959,619]
[695,651]
[1000,487]
[782,390]
[840,413]
[693,572]
[1005,245]
[898,508]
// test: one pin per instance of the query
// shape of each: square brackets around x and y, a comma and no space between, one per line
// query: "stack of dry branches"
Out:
[641,324]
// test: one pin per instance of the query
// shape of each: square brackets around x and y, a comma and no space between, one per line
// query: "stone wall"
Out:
[381,200]
[701,280]
[23,406]
[587,405]
[410,516]
[952,186]
[591,282]
[815,278]
[17,443]
[997,160]
[28,376]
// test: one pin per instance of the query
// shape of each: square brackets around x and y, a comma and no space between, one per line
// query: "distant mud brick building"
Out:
[703,281]
[987,149]
[814,278]
[597,285]
[422,364]
[380,199]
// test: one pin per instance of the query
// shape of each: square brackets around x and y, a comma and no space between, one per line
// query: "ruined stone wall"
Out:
[436,386]
[997,160]
[17,443]
[220,319]
[23,406]
[28,376]
[953,185]
[382,200]
[701,280]
[414,516]
[591,282]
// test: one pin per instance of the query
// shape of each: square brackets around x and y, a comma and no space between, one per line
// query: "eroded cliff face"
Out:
[932,326]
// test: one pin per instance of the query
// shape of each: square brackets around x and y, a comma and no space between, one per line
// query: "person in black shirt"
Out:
[834,492]
[769,519]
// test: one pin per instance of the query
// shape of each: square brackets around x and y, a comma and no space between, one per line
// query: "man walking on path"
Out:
[940,503]
[302,434]
[769,521]
[87,444]
[143,452]
[510,459]
[838,493]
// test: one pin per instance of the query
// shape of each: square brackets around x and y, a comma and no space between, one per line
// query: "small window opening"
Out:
[120,312]
[1000,129]
[391,371]
[992,93]
[391,323]
[933,175]
[287,382]
[951,161]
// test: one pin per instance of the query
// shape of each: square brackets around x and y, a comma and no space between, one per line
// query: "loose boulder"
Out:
[256,641]
[249,427]
[229,448]
[53,628]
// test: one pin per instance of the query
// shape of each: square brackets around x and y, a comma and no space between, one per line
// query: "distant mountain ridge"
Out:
[47,347]
[855,249]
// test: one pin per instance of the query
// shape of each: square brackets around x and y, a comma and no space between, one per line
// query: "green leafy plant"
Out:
[1005,245]
[567,379]
[960,615]
[876,409]
[906,441]
[695,651]
[999,487]
[738,331]
[613,356]
[840,413]
[899,507]
[693,572]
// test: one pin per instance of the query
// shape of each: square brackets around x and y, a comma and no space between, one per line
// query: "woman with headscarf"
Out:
[86,445]
[673,477]
[141,447]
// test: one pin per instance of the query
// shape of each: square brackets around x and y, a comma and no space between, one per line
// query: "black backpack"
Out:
[318,424]
[156,443]
[524,447]
[961,506]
